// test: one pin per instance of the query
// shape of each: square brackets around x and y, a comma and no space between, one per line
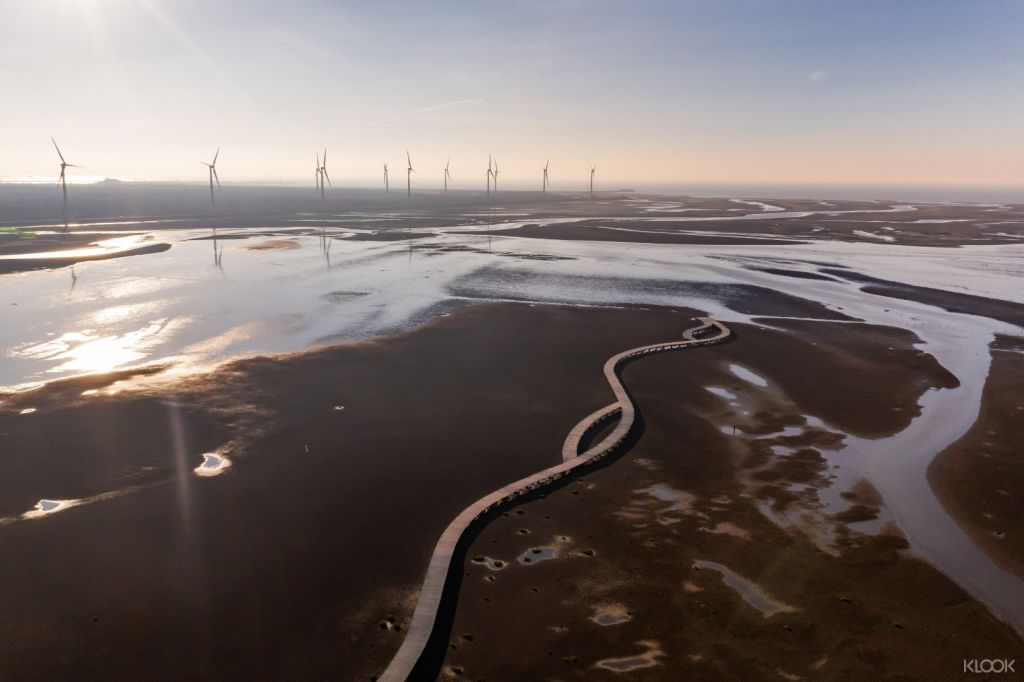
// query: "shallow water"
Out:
[722,393]
[751,592]
[748,376]
[537,554]
[213,464]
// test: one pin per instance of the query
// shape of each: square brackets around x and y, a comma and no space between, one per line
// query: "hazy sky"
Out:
[682,91]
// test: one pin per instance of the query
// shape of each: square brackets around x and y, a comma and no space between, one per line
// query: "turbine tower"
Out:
[317,171]
[490,173]
[544,184]
[213,173]
[387,187]
[408,176]
[447,175]
[62,180]
[593,169]
[324,175]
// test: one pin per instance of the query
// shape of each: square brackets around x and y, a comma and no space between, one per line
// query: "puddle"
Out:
[610,614]
[537,554]
[745,374]
[28,410]
[722,393]
[492,564]
[47,507]
[751,593]
[647,659]
[726,528]
[213,464]
[667,493]
[681,500]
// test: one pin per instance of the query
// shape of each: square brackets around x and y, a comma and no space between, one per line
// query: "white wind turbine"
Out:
[408,176]
[213,173]
[387,187]
[62,180]
[447,175]
[544,184]
[324,175]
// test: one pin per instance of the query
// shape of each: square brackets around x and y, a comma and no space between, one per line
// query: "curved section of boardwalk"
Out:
[571,447]
[424,617]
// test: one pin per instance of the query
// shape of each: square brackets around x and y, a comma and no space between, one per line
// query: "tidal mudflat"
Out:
[175,459]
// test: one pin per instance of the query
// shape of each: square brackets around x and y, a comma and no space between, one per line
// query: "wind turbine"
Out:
[317,171]
[408,176]
[495,176]
[593,169]
[544,185]
[447,175]
[490,173]
[324,175]
[62,180]
[213,173]
[387,188]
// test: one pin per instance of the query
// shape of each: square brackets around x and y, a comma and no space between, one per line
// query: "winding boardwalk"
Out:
[424,618]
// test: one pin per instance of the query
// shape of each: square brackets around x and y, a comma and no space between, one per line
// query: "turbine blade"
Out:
[58,150]
[325,156]
[212,168]
[215,157]
[327,176]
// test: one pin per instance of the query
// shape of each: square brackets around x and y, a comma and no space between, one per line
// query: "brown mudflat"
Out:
[288,562]
[303,559]
[979,478]
[614,576]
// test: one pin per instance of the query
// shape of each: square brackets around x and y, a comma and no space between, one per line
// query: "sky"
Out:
[685,91]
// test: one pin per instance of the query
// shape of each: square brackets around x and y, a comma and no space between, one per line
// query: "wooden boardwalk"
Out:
[424,618]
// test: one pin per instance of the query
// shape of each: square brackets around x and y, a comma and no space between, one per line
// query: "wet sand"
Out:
[307,563]
[979,479]
[1006,311]
[288,560]
[520,284]
[42,263]
[638,534]
[575,231]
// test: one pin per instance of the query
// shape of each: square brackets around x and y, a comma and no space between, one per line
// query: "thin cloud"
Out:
[449,105]
[817,76]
